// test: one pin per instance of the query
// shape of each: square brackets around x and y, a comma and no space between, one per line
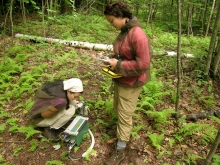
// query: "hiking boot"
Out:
[51,133]
[116,158]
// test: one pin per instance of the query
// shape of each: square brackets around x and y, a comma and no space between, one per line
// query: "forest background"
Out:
[185,38]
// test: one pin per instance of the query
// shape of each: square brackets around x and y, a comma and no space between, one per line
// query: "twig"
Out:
[12,142]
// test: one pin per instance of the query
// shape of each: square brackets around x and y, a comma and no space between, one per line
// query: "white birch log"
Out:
[93,46]
[87,45]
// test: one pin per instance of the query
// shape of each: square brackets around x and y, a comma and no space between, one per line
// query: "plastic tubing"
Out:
[92,144]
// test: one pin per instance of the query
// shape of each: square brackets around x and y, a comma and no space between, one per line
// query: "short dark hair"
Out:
[118,9]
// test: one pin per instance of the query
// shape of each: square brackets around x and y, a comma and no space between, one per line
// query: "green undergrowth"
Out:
[27,65]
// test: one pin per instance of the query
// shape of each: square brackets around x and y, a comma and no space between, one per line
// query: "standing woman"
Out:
[54,106]
[131,59]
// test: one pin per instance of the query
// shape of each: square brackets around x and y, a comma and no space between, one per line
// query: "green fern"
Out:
[101,122]
[54,162]
[153,92]
[109,107]
[135,129]
[137,116]
[4,114]
[160,117]
[192,158]
[17,150]
[203,132]
[21,58]
[34,145]
[10,65]
[216,159]
[2,127]
[149,102]
[16,49]
[6,77]
[100,103]
[11,121]
[28,105]
[215,119]
[29,131]
[39,69]
[156,139]
[27,78]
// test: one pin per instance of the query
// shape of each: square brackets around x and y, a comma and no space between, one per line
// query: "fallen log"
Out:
[88,45]
[203,115]
[79,44]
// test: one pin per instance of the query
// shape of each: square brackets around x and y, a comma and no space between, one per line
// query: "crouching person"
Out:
[54,106]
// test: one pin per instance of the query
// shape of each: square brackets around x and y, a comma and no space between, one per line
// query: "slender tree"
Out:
[210,17]
[43,22]
[150,13]
[190,15]
[23,11]
[217,49]
[213,149]
[204,15]
[11,20]
[178,57]
[212,42]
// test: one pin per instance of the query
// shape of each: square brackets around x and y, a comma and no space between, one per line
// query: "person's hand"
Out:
[113,63]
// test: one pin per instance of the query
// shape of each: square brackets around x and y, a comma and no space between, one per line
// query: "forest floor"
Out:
[139,150]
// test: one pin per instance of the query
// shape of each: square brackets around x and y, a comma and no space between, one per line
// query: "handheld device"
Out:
[104,60]
[110,73]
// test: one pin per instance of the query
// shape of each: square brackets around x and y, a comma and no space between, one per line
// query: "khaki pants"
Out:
[125,102]
[59,119]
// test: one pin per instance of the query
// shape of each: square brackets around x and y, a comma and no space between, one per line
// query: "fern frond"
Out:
[39,69]
[29,131]
[204,132]
[215,119]
[160,117]
[27,78]
[54,162]
[2,127]
[28,104]
[156,140]
[5,114]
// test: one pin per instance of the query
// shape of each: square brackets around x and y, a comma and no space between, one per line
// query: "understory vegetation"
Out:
[156,136]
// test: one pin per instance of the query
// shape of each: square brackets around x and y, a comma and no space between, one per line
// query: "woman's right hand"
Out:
[113,63]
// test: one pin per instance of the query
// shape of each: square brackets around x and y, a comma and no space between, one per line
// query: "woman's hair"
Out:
[118,9]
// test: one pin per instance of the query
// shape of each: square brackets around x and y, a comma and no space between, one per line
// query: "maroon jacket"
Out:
[134,55]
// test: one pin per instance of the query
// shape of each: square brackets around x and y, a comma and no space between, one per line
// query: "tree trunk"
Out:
[210,18]
[77,3]
[11,19]
[213,149]
[43,23]
[212,42]
[23,12]
[178,58]
[216,59]
[4,41]
[150,13]
[47,7]
[63,7]
[204,16]
[189,25]
[217,49]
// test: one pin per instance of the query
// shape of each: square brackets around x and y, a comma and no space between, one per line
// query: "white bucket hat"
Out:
[73,84]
